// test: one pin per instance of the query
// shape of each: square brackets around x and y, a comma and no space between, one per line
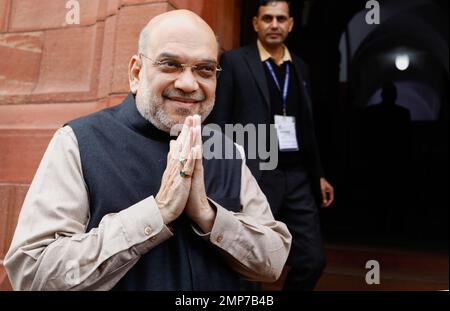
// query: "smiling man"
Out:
[117,204]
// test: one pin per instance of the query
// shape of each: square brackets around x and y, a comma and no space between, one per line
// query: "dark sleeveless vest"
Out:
[123,158]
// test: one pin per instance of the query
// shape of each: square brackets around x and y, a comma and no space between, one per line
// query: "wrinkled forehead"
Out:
[189,42]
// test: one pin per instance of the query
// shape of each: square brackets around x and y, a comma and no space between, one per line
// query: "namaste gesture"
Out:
[183,186]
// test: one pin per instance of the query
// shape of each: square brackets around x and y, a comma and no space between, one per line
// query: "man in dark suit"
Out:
[264,83]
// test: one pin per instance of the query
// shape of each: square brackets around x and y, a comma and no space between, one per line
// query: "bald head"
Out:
[183,24]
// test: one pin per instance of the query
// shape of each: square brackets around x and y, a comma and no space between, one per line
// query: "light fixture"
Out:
[402,62]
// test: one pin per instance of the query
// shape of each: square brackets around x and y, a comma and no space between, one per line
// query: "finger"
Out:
[327,202]
[181,138]
[198,170]
[173,166]
[172,147]
[173,170]
[188,168]
[324,197]
[185,131]
[197,144]
[197,120]
[174,156]
[174,151]
[198,126]
[199,150]
[331,196]
[169,163]
[187,146]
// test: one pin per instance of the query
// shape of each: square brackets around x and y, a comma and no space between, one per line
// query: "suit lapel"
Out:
[257,70]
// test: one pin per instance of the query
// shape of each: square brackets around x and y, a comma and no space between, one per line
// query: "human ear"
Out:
[134,69]
[255,23]
[291,23]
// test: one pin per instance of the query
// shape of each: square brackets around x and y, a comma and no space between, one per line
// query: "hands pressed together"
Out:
[183,187]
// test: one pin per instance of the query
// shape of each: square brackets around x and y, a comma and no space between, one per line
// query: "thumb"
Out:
[324,196]
[199,157]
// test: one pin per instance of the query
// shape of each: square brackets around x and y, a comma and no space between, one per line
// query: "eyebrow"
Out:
[177,57]
[276,16]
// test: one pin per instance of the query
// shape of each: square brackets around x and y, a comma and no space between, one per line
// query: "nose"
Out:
[274,23]
[186,81]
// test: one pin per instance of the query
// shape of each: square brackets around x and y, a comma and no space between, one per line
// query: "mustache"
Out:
[183,95]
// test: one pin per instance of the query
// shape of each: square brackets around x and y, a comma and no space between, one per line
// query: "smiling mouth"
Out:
[186,101]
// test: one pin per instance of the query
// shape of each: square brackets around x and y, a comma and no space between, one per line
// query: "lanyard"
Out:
[285,86]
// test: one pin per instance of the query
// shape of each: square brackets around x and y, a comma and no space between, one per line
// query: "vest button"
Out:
[148,230]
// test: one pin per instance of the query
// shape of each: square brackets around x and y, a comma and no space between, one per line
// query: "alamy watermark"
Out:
[73,12]
[373,275]
[261,142]
[373,15]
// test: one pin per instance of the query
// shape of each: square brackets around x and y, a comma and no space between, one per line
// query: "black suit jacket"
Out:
[242,97]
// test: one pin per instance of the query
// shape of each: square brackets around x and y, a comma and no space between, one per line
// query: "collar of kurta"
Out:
[264,55]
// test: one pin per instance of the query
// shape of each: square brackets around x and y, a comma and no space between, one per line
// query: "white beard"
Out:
[152,109]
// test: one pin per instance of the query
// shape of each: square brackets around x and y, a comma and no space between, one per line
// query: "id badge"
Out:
[287,135]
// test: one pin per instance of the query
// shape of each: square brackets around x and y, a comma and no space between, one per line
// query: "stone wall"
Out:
[51,72]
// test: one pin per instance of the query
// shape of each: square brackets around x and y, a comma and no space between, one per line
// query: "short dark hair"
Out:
[266,2]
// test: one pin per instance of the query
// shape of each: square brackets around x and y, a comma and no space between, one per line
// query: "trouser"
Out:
[292,202]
